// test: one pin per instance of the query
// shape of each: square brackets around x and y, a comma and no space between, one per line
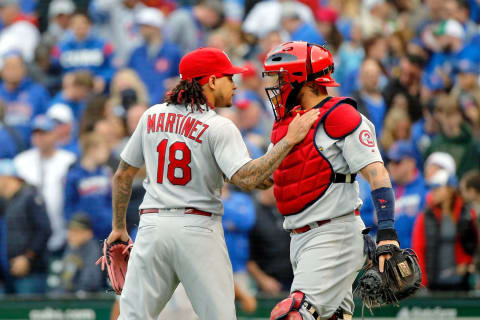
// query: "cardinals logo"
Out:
[366,138]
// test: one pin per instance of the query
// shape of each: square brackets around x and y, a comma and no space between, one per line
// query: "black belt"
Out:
[344,178]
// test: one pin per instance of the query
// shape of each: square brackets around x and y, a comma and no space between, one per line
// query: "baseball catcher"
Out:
[115,257]
[400,278]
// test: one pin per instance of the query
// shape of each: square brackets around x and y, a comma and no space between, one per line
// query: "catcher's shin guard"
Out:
[289,309]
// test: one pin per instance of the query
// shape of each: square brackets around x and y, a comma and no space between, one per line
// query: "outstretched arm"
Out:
[121,191]
[257,171]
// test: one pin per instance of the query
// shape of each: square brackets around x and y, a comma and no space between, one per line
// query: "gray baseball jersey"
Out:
[348,155]
[187,156]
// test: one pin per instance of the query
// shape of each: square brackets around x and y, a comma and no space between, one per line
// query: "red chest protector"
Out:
[305,173]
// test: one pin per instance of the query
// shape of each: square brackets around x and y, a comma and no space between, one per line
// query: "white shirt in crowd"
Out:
[48,175]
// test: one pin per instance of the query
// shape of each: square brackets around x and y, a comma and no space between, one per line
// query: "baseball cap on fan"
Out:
[150,17]
[400,150]
[58,7]
[205,62]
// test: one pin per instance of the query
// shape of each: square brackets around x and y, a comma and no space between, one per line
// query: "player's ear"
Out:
[211,82]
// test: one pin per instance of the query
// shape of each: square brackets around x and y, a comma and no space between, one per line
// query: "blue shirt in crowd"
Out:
[307,32]
[9,147]
[445,62]
[376,110]
[409,202]
[367,211]
[421,140]
[23,104]
[238,219]
[90,192]
[155,69]
[93,54]
[77,106]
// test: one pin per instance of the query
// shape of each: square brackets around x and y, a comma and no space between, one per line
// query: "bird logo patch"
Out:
[366,138]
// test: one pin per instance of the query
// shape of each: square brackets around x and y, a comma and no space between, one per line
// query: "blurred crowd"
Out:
[76,75]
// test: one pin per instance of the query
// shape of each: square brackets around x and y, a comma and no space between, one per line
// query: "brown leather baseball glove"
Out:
[115,257]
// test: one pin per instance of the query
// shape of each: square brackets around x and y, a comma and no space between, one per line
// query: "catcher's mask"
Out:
[289,66]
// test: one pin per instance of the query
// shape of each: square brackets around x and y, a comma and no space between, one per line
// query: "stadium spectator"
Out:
[375,17]
[10,139]
[95,111]
[326,18]
[88,185]
[79,273]
[188,27]
[252,84]
[398,48]
[45,167]
[369,97]
[408,84]
[439,161]
[456,137]
[265,17]
[251,120]
[460,11]
[445,236]
[82,49]
[43,72]
[19,31]
[65,127]
[467,92]
[127,89]
[376,48]
[133,115]
[395,127]
[349,58]
[115,20]
[157,59]
[297,29]
[409,188]
[238,219]
[470,187]
[24,99]
[77,86]
[59,16]
[27,231]
[424,130]
[269,262]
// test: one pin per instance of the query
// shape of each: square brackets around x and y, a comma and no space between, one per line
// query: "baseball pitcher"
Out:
[188,151]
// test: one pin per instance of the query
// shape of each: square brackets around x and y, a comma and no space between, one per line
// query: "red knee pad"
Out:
[287,309]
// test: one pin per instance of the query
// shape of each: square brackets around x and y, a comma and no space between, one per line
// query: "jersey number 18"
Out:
[174,163]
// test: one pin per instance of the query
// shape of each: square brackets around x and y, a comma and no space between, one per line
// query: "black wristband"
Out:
[386,234]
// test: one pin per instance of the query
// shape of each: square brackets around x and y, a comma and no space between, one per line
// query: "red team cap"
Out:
[204,62]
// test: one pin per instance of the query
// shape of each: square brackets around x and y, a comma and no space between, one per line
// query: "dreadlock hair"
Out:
[189,93]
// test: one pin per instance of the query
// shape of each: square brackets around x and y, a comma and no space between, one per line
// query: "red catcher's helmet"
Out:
[289,66]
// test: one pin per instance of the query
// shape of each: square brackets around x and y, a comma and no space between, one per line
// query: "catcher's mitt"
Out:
[115,256]
[401,278]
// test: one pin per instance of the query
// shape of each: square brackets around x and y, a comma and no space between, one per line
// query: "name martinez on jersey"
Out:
[176,123]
